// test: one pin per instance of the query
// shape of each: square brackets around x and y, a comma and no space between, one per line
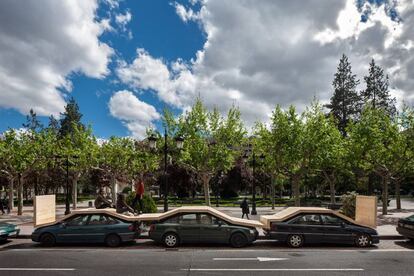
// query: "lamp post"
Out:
[249,151]
[67,163]
[153,144]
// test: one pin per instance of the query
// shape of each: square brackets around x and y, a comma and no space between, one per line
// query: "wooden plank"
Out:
[366,210]
[44,208]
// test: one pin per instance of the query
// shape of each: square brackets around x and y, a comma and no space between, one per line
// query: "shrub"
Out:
[148,203]
[348,204]
[127,190]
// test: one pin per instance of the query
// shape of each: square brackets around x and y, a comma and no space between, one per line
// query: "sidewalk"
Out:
[386,224]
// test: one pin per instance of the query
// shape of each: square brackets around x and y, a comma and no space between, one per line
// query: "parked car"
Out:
[200,227]
[8,230]
[406,227]
[319,227]
[96,227]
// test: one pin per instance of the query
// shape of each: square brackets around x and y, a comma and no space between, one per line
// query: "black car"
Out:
[406,227]
[200,227]
[321,228]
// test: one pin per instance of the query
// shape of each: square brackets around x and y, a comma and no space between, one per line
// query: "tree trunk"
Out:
[114,189]
[272,187]
[20,195]
[295,188]
[206,186]
[11,194]
[385,195]
[397,193]
[74,192]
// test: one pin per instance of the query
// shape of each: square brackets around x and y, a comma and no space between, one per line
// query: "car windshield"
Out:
[410,218]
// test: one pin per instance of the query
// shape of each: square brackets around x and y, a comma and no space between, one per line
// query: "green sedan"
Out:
[8,230]
[200,228]
[88,228]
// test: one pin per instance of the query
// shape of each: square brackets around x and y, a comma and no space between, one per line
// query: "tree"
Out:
[70,119]
[328,146]
[376,143]
[377,93]
[344,104]
[210,141]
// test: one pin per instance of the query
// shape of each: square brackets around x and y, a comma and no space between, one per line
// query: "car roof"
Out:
[294,211]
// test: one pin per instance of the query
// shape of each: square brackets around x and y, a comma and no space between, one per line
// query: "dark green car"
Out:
[200,228]
[8,230]
[88,228]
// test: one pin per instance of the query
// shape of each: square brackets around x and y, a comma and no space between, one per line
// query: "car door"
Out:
[213,229]
[336,229]
[189,227]
[309,225]
[95,229]
[72,229]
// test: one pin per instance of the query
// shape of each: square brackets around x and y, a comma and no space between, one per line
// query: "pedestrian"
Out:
[101,202]
[139,193]
[245,208]
[122,207]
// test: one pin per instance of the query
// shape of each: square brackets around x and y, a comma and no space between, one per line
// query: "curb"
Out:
[392,237]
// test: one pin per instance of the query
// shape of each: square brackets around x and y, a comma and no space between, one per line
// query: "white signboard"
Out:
[44,209]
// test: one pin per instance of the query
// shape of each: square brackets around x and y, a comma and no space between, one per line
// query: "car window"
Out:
[206,219]
[171,220]
[188,219]
[98,220]
[111,220]
[331,219]
[77,221]
[217,221]
[311,219]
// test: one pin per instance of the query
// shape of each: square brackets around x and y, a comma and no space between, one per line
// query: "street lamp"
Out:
[249,151]
[152,141]
[67,163]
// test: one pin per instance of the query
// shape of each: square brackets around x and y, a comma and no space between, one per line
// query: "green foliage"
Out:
[148,203]
[349,204]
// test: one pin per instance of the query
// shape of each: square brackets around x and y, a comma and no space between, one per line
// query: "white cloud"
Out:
[261,53]
[135,114]
[122,20]
[186,14]
[41,44]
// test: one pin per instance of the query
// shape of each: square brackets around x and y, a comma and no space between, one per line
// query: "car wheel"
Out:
[295,240]
[171,240]
[363,240]
[47,239]
[238,240]
[113,240]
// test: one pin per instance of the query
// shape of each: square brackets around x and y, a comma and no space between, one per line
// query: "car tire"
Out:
[363,240]
[295,240]
[47,239]
[238,240]
[113,240]
[171,240]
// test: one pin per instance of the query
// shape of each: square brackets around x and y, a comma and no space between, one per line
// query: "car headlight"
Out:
[2,232]
[252,231]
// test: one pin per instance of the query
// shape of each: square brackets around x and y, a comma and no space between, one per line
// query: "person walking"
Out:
[139,194]
[245,208]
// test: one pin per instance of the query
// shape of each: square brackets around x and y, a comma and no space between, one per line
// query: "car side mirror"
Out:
[343,224]
[220,223]
[63,224]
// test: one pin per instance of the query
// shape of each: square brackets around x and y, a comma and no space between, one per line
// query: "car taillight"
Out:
[131,227]
[152,227]
[274,226]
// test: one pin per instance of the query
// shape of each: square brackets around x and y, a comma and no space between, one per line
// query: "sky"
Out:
[125,61]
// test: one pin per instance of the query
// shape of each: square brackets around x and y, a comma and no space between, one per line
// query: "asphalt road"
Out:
[261,259]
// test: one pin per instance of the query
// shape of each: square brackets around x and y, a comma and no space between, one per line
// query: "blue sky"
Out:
[155,27]
[124,61]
